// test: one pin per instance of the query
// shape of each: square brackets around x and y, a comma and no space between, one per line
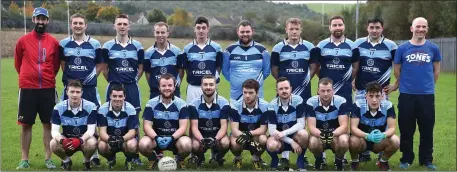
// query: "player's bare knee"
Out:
[355,143]
[196,146]
[146,145]
[55,146]
[315,145]
[394,142]
[103,148]
[302,138]
[343,141]
[184,144]
[90,144]
[224,143]
[272,145]
[131,146]
[263,139]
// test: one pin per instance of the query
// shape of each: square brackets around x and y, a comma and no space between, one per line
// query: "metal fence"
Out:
[448,52]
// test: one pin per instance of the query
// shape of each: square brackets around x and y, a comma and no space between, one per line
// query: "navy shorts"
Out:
[33,101]
[132,94]
[90,93]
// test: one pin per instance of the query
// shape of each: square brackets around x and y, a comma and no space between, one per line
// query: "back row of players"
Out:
[123,60]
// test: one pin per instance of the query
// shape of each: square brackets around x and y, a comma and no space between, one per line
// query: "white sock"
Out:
[95,155]
[344,157]
[255,158]
[66,159]
[323,154]
[285,154]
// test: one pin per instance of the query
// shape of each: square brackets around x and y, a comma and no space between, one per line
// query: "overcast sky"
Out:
[319,2]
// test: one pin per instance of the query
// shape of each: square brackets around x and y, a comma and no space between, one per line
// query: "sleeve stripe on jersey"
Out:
[383,79]
[302,87]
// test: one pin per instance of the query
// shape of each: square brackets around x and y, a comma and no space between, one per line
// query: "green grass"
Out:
[445,130]
[329,8]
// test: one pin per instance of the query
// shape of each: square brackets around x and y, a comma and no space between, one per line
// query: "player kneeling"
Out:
[249,125]
[165,121]
[117,124]
[77,118]
[208,115]
[286,124]
[328,119]
[373,127]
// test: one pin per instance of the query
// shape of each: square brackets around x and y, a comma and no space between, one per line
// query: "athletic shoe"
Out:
[284,165]
[49,164]
[384,166]
[23,164]
[67,165]
[355,166]
[257,165]
[152,164]
[195,160]
[430,166]
[324,162]
[95,162]
[111,164]
[364,157]
[345,161]
[181,164]
[318,163]
[219,162]
[86,166]
[338,165]
[238,163]
[404,165]
[306,162]
[128,166]
[137,161]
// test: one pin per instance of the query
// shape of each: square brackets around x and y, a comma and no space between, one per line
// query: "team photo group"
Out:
[349,114]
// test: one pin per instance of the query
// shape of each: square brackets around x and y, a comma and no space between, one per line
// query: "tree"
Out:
[156,15]
[14,7]
[59,12]
[181,17]
[250,15]
[92,10]
[128,8]
[108,13]
[29,9]
[270,17]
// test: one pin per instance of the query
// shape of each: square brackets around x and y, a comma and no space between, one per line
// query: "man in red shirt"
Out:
[36,59]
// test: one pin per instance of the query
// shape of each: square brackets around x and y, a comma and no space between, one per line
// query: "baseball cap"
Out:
[40,11]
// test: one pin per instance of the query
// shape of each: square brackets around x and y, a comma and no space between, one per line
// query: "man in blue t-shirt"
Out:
[245,59]
[117,122]
[373,127]
[417,67]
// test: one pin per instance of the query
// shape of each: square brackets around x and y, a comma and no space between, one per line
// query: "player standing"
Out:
[417,68]
[118,123]
[36,59]
[162,58]
[286,125]
[124,58]
[200,57]
[249,125]
[165,119]
[245,59]
[209,115]
[327,117]
[78,118]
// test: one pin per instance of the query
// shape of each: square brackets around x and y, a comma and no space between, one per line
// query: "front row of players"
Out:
[165,117]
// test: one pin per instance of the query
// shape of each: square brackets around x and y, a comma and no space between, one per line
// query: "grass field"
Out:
[445,128]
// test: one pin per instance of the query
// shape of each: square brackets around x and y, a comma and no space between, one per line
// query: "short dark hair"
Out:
[244,23]
[74,83]
[251,84]
[334,18]
[122,16]
[201,20]
[376,20]
[373,87]
[209,77]
[325,81]
[78,15]
[117,87]
[167,76]
[281,79]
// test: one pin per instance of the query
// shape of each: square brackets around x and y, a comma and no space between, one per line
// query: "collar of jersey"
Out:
[343,40]
[214,100]
[379,41]
[111,107]
[86,40]
[331,102]
[256,105]
[129,41]
[239,43]
[168,45]
[80,108]
[287,43]
[172,99]
[290,101]
[208,41]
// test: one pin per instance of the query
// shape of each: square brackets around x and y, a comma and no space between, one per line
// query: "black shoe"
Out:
[355,166]
[128,166]
[364,157]
[284,164]
[345,161]
[384,166]
[95,162]
[338,165]
[111,164]
[87,166]
[324,162]
[137,161]
[196,160]
[319,163]
[306,162]
[67,166]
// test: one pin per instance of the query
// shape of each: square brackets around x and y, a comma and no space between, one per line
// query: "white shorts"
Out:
[360,95]
[193,92]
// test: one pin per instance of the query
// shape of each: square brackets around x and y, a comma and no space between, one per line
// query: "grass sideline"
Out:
[444,144]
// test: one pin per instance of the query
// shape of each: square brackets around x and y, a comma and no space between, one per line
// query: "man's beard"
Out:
[164,96]
[247,42]
[210,94]
[40,29]
[338,35]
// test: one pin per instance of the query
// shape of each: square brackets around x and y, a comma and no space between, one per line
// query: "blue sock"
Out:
[301,160]
[274,159]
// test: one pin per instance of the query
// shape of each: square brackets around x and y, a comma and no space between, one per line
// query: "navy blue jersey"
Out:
[80,60]
[242,63]
[416,75]
[123,61]
[326,119]
[74,125]
[249,120]
[293,63]
[199,62]
[158,64]
[209,118]
[336,63]
[284,119]
[375,61]
[117,125]
[368,122]
[165,119]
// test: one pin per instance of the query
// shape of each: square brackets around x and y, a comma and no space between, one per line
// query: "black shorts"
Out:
[171,147]
[90,93]
[132,94]
[370,145]
[33,101]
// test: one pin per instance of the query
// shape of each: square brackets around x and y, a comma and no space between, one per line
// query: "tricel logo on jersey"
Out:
[294,68]
[336,64]
[201,66]
[125,67]
[418,57]
[76,66]
[369,67]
